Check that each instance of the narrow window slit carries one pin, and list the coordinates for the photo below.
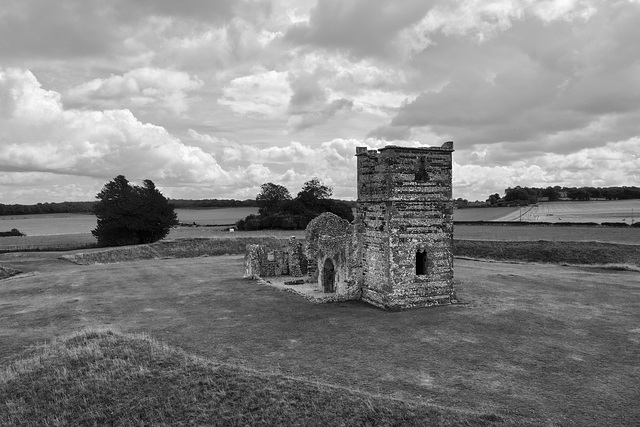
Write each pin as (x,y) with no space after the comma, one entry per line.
(421,262)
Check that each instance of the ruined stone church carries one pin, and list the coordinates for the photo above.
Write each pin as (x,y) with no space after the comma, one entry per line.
(398,252)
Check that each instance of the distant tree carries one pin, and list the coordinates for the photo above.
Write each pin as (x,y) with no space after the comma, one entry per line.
(271,198)
(493,199)
(516,194)
(279,210)
(594,193)
(461,203)
(612,193)
(315,189)
(578,194)
(552,193)
(129,214)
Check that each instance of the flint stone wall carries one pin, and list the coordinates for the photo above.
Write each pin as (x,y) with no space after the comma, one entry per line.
(330,237)
(265,261)
(405,206)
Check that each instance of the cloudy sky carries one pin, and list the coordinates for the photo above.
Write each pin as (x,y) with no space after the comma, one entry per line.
(211,98)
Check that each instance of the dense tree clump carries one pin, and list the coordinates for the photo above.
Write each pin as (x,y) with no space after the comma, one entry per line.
(272,198)
(212,203)
(523,196)
(130,214)
(279,210)
(47,208)
(14,232)
(87,207)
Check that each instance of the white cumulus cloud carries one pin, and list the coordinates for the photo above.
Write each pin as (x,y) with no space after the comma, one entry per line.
(138,88)
(266,93)
(37,133)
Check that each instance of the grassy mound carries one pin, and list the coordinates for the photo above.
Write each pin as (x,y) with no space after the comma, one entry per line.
(544,251)
(179,248)
(102,377)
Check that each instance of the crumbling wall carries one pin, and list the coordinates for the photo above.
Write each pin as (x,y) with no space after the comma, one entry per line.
(330,237)
(266,260)
(262,261)
(297,258)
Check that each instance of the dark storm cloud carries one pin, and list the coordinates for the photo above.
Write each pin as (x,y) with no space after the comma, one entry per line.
(66,29)
(55,29)
(321,115)
(306,92)
(361,27)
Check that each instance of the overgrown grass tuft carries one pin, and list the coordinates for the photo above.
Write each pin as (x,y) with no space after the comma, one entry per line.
(6,272)
(104,377)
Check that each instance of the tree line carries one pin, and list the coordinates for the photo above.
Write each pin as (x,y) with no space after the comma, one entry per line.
(535,194)
(529,195)
(46,208)
(278,210)
(87,207)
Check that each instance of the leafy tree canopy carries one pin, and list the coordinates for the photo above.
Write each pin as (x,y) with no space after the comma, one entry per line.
(271,198)
(315,189)
(129,214)
(533,194)
(279,210)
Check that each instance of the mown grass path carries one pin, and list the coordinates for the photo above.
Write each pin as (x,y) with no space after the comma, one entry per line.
(533,341)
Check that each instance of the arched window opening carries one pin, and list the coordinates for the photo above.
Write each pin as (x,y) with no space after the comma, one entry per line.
(328,276)
(421,262)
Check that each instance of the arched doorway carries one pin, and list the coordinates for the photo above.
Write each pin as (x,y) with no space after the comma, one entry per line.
(328,276)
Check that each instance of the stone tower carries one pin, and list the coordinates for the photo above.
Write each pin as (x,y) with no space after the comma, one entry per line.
(404,226)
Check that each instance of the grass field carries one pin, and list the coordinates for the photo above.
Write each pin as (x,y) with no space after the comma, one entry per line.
(151,383)
(540,343)
(609,255)
(547,233)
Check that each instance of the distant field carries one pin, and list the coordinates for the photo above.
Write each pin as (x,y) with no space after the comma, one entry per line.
(49,224)
(57,224)
(53,242)
(63,231)
(482,214)
(596,211)
(214,216)
(461,232)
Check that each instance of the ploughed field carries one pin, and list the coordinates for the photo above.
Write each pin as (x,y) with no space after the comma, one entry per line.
(597,211)
(529,342)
